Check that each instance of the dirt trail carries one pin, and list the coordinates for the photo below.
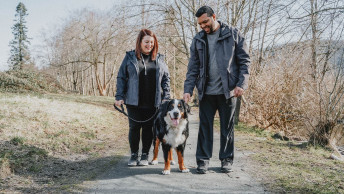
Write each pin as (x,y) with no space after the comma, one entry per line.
(124,179)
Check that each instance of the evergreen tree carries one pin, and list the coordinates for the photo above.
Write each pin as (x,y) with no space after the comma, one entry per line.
(19,45)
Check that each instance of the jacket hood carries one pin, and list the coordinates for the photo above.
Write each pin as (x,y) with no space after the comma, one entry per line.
(132,55)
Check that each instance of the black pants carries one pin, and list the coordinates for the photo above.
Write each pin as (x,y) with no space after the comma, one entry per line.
(207,109)
(140,114)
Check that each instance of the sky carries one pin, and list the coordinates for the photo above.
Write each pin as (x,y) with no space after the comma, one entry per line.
(42,15)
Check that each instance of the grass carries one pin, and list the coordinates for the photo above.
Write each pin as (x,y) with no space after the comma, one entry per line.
(24,81)
(48,137)
(54,142)
(17,140)
(67,123)
(5,169)
(287,166)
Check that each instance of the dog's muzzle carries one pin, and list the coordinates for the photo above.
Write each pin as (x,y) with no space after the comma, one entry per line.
(175,119)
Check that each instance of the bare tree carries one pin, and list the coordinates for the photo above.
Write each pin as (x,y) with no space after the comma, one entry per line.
(295,82)
(88,40)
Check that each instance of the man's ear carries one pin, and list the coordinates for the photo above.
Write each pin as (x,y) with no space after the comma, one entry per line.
(214,17)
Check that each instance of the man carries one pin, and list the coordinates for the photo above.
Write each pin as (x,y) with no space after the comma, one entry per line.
(219,68)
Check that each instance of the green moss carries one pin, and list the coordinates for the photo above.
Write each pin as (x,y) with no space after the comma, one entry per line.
(17,140)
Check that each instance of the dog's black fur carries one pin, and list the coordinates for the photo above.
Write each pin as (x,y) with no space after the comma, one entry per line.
(163,124)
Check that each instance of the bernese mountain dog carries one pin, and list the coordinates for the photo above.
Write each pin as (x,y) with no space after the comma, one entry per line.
(171,129)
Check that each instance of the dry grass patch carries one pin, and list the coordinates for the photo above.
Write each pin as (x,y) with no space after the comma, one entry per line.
(57,141)
(293,167)
(5,169)
(61,127)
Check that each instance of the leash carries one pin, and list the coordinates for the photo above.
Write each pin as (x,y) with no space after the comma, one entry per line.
(126,114)
(229,136)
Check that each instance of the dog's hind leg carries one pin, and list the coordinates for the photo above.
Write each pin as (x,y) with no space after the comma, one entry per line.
(180,153)
(155,152)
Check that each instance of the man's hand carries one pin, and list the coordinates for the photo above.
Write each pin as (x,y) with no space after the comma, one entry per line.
(119,102)
(187,97)
(238,91)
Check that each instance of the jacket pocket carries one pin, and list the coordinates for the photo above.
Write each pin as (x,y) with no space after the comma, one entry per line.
(199,81)
(232,80)
(199,45)
(131,69)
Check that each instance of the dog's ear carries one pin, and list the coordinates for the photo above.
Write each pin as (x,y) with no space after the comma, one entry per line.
(159,128)
(160,125)
(164,107)
(186,107)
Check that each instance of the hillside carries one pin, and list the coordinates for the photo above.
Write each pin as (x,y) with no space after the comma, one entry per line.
(58,142)
(51,142)
(28,81)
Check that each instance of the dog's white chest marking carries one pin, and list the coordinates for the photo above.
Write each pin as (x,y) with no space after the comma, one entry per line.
(174,137)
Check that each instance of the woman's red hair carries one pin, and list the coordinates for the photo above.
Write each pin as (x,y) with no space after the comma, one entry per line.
(138,51)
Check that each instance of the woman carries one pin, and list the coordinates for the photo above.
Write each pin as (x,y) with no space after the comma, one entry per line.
(142,83)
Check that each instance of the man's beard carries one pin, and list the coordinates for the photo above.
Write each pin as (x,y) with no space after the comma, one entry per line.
(212,28)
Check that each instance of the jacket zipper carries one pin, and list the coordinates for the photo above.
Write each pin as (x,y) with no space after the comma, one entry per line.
(157,79)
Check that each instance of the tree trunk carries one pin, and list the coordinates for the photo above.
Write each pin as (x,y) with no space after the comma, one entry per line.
(314,16)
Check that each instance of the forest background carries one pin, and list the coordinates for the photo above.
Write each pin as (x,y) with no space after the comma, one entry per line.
(296,48)
(58,127)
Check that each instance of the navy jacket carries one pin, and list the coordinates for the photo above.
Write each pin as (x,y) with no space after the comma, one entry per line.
(128,80)
(232,58)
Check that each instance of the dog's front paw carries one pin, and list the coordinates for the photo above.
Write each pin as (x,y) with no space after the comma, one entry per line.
(166,172)
(154,162)
(172,162)
(184,170)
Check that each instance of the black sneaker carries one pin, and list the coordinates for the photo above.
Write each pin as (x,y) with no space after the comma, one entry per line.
(226,165)
(202,166)
(144,160)
(133,160)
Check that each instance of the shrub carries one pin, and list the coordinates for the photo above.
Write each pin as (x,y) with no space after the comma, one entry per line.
(284,96)
(28,81)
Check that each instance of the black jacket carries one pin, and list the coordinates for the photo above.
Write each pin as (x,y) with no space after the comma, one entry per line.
(128,80)
(232,58)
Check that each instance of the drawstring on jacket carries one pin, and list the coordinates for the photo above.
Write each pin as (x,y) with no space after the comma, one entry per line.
(144,65)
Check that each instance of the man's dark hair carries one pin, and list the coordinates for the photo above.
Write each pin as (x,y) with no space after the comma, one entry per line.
(204,9)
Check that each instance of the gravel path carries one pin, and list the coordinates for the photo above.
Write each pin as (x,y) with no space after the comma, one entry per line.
(148,179)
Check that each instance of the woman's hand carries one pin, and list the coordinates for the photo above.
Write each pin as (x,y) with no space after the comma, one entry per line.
(119,102)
